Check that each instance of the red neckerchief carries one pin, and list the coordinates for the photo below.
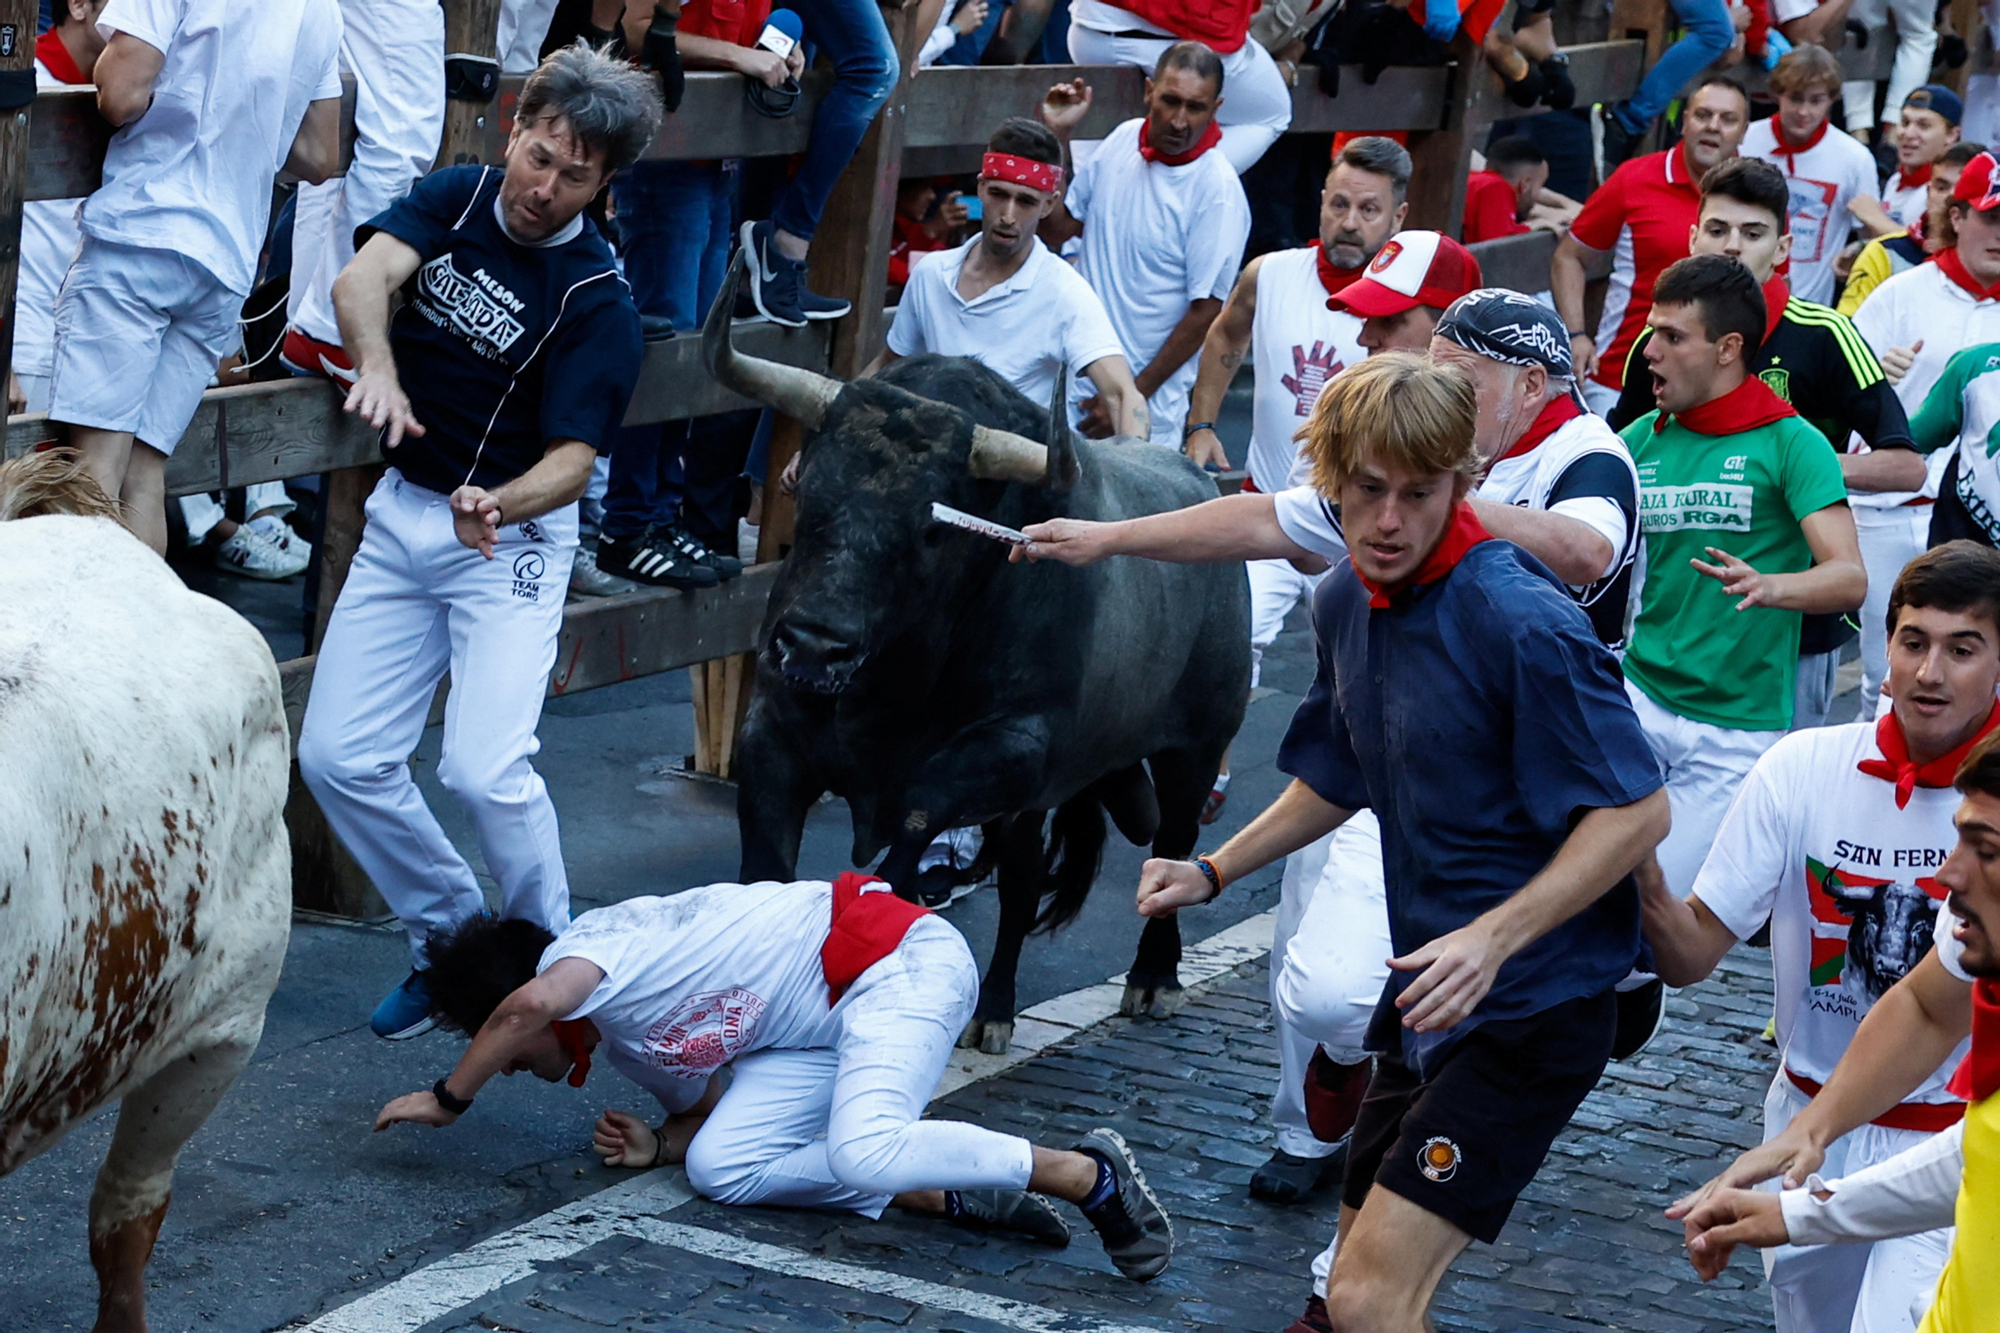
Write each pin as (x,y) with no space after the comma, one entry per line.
(863,928)
(1792,150)
(1332,278)
(1909,178)
(55,57)
(573,1034)
(1551,419)
(1776,293)
(1895,766)
(1979,1076)
(1210,137)
(1461,535)
(1747,406)
(1953,267)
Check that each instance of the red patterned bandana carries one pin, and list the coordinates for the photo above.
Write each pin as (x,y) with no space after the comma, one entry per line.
(1462,534)
(1895,765)
(574,1034)
(1210,137)
(1747,406)
(1021,171)
(1332,278)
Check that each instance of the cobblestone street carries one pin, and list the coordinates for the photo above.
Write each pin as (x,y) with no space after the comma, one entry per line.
(1586,1249)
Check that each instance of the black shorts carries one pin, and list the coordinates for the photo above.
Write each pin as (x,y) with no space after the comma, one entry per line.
(1527,9)
(1465,1142)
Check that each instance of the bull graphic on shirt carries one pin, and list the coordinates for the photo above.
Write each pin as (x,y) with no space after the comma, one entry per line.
(1310,373)
(1882,928)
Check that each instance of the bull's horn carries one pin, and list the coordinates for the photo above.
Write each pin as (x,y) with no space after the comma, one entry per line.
(797,393)
(1062,465)
(1001,455)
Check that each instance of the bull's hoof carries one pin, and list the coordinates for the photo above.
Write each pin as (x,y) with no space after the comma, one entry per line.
(1158,1000)
(1166,1001)
(1135,1001)
(989,1036)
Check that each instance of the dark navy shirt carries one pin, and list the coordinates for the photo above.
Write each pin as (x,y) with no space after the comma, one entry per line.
(503,347)
(1480,718)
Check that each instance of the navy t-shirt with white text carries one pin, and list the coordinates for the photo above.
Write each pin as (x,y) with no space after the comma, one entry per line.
(503,346)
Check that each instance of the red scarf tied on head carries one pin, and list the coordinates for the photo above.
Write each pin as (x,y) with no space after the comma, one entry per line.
(1746,407)
(1462,534)
(574,1035)
(1210,137)
(1896,766)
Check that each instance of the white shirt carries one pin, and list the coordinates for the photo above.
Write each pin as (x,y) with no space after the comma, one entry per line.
(49,238)
(1822,179)
(1156,239)
(1847,880)
(1923,304)
(1297,346)
(694,980)
(1905,205)
(193,174)
(1024,329)
(1097,15)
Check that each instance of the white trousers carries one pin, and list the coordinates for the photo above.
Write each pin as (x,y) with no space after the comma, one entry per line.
(1327,965)
(1256,103)
(1916,47)
(524,25)
(1890,539)
(417,603)
(1852,1288)
(843,1126)
(1704,765)
(202,512)
(1982,109)
(395,50)
(1599,398)
(1275,588)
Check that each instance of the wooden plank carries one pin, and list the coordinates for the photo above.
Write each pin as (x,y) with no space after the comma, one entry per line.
(1601,71)
(471,28)
(1520,263)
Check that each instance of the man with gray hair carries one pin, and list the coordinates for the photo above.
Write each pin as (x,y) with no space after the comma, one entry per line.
(497,381)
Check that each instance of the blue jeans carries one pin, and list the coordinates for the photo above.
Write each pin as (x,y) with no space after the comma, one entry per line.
(674,219)
(972,45)
(852,34)
(1709,33)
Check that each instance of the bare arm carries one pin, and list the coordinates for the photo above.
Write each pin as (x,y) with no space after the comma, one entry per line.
(1456,970)
(1222,353)
(361,296)
(1688,939)
(520,1018)
(1568,272)
(1063,108)
(558,479)
(1883,470)
(315,155)
(1868,211)
(1182,343)
(1827,22)
(1120,396)
(1296,818)
(1902,1040)
(883,360)
(124,76)
(1232,527)
(1576,552)
(1836,582)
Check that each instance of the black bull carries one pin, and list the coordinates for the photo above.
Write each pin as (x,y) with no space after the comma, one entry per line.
(908,667)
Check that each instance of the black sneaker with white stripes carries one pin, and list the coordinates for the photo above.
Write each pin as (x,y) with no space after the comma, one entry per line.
(652,559)
(697,551)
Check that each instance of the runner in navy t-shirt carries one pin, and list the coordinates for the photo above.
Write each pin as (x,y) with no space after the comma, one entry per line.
(508,366)
(1483,721)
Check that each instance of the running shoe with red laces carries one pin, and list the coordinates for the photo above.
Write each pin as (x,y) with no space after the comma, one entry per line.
(304,355)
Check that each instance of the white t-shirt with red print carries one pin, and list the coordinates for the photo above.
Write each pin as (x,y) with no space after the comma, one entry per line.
(1847,880)
(1830,171)
(694,980)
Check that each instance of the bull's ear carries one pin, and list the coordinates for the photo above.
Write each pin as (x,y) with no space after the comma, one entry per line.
(1062,467)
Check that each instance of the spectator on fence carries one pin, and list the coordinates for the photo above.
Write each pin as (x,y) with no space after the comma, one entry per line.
(1532,68)
(1886,256)
(1925,130)
(1916,45)
(1919,318)
(1504,199)
(1005,300)
(495,385)
(211,96)
(1643,216)
(675,223)
(955,23)
(1713,664)
(927,212)
(1616,128)
(395,51)
(1814,359)
(853,37)
(1163,220)
(1258,105)
(1832,178)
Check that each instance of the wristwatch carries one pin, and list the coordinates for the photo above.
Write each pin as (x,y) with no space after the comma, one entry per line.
(455,1105)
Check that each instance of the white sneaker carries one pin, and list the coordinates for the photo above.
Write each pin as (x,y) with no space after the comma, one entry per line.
(251,554)
(587,580)
(280,534)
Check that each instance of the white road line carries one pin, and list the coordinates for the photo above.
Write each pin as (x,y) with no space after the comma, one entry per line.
(931,1295)
(633,1208)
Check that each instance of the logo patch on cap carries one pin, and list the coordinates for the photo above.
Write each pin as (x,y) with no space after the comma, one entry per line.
(1385,256)
(1438,1159)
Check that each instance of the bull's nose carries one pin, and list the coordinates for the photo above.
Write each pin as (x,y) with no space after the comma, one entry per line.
(815,652)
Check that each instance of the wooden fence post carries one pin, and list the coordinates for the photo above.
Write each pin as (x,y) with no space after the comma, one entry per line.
(17,96)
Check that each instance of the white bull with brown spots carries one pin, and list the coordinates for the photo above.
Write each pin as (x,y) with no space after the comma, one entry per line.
(145,893)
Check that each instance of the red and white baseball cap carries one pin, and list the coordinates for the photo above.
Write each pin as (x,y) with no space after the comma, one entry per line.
(1977,184)
(1413,268)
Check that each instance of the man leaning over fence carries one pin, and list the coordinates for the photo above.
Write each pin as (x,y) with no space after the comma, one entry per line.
(496,384)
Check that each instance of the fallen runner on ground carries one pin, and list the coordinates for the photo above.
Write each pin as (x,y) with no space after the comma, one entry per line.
(835,1007)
